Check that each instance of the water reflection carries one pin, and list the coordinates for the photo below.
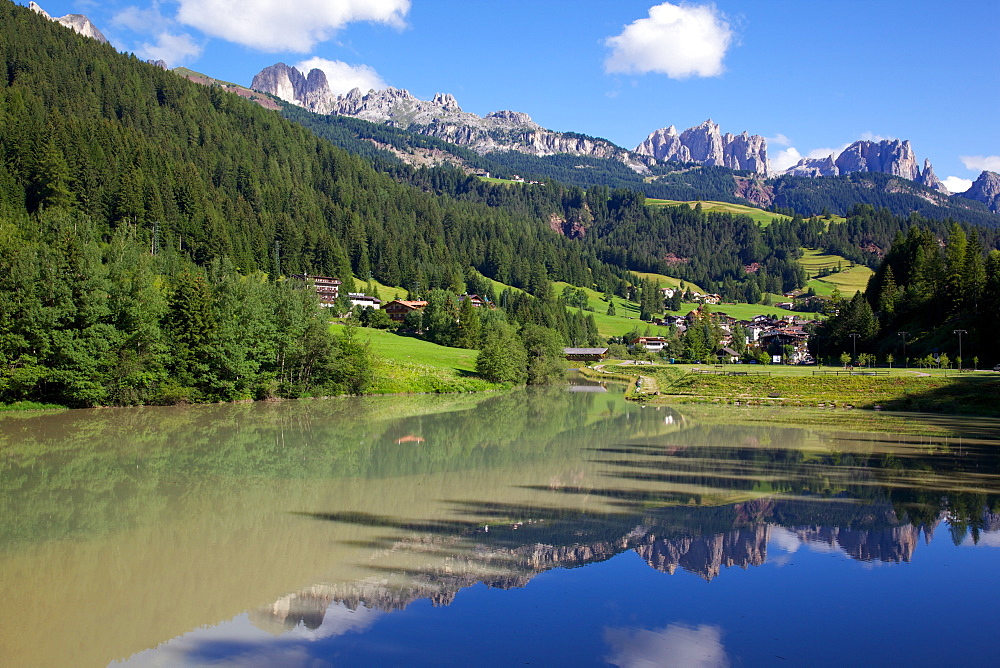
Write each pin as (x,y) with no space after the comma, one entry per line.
(309,521)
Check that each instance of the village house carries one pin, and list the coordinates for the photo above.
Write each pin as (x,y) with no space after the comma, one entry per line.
(653,344)
(727,355)
(398,308)
(476,300)
(364,301)
(327,288)
(776,339)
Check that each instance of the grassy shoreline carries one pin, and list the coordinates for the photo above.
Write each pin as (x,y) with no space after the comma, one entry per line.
(976,393)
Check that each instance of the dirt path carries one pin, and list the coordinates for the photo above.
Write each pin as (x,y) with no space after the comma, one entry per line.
(646,384)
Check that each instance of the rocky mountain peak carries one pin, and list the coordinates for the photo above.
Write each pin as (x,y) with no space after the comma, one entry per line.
(76,22)
(928,178)
(813,167)
(292,86)
(33,6)
(889,156)
(446,101)
(985,189)
(703,143)
(440,117)
(507,116)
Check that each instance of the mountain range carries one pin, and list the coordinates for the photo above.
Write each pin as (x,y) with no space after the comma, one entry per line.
(512,131)
(705,144)
(507,131)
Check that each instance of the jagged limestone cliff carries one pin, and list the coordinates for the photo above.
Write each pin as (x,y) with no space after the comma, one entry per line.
(706,144)
(440,117)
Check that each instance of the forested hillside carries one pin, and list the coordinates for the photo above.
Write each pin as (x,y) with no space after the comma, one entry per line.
(807,196)
(143,217)
(926,299)
(127,143)
(145,222)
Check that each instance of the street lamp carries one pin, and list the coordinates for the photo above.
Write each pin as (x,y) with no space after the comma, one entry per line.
(905,358)
(854,343)
(959,332)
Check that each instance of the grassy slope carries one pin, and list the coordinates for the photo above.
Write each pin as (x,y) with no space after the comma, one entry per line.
(848,281)
(626,316)
(408,364)
(669,281)
(759,216)
(903,389)
(748,311)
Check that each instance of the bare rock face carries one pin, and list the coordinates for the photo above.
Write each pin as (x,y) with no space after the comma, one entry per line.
(33,6)
(706,555)
(705,144)
(439,117)
(507,116)
(77,22)
(890,156)
(928,178)
(813,167)
(985,189)
(312,92)
(664,144)
(745,151)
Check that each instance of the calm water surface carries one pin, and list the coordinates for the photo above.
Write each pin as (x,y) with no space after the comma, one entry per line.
(555,528)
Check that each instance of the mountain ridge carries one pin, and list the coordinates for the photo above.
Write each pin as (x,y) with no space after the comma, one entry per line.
(76,22)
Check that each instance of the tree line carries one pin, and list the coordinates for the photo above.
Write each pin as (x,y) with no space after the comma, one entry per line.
(926,290)
(86,321)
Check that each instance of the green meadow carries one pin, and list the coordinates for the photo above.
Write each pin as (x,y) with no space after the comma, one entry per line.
(759,216)
(849,280)
(409,364)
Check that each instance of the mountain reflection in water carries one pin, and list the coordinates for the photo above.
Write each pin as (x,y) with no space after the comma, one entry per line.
(344,523)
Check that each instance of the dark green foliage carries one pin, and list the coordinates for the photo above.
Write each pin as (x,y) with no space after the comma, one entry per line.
(840,194)
(503,358)
(352,366)
(86,322)
(546,361)
(928,287)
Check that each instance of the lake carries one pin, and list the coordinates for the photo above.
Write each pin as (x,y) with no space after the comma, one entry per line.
(550,527)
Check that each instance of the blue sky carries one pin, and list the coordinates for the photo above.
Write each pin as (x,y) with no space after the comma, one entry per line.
(810,76)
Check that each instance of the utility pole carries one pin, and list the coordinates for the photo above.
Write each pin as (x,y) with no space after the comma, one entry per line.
(277,259)
(906,359)
(959,332)
(854,336)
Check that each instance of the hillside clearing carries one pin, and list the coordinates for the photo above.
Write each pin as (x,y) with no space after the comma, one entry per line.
(849,280)
(759,216)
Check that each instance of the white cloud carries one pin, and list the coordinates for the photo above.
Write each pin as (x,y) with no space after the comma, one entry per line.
(779,140)
(986,539)
(784,539)
(164,40)
(174,49)
(978,163)
(343,77)
(275,25)
(784,159)
(139,20)
(955,184)
(677,40)
(676,645)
